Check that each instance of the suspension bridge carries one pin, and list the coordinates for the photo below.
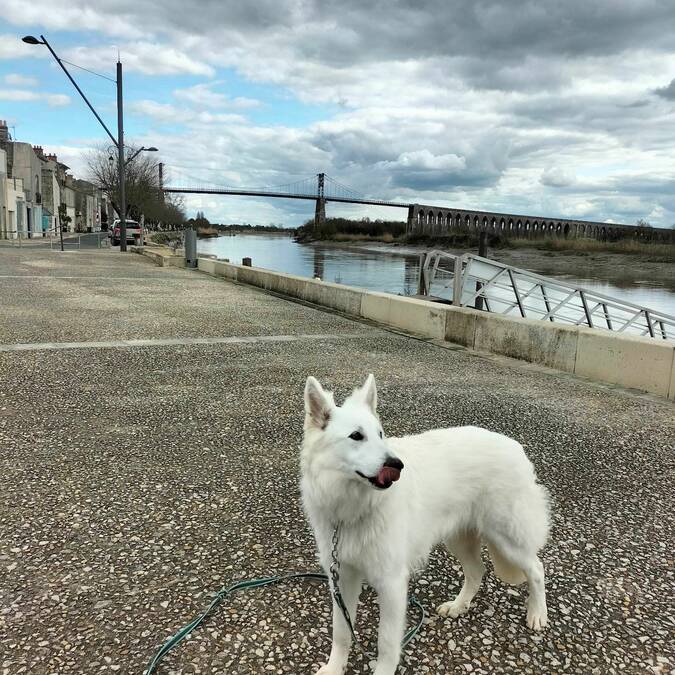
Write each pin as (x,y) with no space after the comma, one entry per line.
(422,218)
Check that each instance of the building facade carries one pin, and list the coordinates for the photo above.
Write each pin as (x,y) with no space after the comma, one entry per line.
(34,185)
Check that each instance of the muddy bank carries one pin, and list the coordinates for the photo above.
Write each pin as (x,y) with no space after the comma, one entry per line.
(620,269)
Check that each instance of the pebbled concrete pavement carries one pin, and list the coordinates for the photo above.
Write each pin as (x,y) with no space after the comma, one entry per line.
(137,480)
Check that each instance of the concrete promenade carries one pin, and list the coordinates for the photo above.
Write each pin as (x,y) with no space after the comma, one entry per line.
(149,428)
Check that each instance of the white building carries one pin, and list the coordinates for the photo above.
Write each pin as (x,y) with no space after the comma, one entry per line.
(27,166)
(13,211)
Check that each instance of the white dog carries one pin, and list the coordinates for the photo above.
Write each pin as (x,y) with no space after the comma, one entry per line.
(461,486)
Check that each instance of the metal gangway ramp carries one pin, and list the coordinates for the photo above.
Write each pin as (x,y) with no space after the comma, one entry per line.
(471,281)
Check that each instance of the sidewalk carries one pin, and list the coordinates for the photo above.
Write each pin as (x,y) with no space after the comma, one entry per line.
(139,479)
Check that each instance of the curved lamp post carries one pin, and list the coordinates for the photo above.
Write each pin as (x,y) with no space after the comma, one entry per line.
(118,142)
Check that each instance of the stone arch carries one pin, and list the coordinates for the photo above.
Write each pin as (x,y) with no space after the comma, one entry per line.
(458,221)
(475,223)
(502,224)
(510,225)
(420,218)
(448,220)
(467,222)
(493,224)
(535,226)
(430,218)
(566,230)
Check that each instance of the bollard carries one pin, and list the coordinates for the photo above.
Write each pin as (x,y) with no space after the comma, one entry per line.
(246,262)
(190,248)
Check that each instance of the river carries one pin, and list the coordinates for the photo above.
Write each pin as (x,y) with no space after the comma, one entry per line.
(381,269)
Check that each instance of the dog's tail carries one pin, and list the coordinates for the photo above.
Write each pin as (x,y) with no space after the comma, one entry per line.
(505,570)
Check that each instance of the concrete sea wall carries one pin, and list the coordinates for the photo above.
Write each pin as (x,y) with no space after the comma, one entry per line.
(645,364)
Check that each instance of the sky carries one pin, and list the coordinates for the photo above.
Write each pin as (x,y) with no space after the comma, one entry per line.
(539,107)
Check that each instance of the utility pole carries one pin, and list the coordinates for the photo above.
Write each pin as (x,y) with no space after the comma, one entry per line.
(120,159)
(161,181)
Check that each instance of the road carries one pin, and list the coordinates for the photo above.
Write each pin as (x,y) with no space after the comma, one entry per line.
(140,477)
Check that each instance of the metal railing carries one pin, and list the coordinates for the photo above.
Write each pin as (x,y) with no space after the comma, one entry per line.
(471,281)
(22,238)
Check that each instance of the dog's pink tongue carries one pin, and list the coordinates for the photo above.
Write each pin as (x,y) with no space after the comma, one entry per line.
(387,476)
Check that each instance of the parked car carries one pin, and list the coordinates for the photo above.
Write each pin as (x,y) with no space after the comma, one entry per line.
(134,231)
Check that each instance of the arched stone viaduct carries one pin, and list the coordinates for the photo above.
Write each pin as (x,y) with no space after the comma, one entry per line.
(434,220)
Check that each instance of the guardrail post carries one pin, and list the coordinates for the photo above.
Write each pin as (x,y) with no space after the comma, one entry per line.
(190,248)
(421,280)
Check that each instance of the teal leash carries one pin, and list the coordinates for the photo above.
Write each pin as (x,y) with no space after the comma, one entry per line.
(249,584)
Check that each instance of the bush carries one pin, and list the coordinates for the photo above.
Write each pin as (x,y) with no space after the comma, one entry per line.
(345,229)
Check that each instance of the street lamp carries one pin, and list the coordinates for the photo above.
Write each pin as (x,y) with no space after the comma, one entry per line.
(139,151)
(119,141)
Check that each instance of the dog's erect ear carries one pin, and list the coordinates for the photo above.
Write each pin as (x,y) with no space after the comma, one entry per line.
(368,393)
(318,403)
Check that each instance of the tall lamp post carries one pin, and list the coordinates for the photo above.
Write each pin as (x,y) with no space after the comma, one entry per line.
(119,141)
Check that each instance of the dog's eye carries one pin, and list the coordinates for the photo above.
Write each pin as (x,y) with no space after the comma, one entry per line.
(356,436)
(381,435)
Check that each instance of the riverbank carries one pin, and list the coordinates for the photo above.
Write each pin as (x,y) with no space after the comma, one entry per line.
(625,270)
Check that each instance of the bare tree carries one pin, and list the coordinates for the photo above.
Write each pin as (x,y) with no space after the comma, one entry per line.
(143,194)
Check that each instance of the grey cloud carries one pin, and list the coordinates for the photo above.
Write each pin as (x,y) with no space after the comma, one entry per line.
(557,177)
(667,92)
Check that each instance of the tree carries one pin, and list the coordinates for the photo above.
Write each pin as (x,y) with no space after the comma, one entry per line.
(201,220)
(64,218)
(643,223)
(141,186)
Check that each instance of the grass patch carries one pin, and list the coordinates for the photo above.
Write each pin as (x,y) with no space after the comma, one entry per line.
(387,237)
(654,251)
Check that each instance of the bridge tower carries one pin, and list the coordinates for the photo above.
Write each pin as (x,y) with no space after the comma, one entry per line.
(320,210)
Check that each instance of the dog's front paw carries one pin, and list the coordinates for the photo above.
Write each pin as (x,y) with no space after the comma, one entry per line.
(453,608)
(537,618)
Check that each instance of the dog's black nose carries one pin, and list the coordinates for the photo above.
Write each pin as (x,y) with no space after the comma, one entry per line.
(394,463)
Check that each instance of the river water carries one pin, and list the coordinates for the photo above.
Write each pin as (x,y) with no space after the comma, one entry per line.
(381,270)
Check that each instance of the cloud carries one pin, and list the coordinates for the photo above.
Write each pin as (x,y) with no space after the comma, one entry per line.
(547,107)
(144,57)
(167,113)
(202,95)
(21,95)
(11,47)
(16,80)
(557,177)
(667,92)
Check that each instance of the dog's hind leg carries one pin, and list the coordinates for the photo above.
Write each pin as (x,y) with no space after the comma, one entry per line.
(350,588)
(522,558)
(466,548)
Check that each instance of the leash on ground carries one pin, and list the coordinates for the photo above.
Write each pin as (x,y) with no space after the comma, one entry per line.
(249,584)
